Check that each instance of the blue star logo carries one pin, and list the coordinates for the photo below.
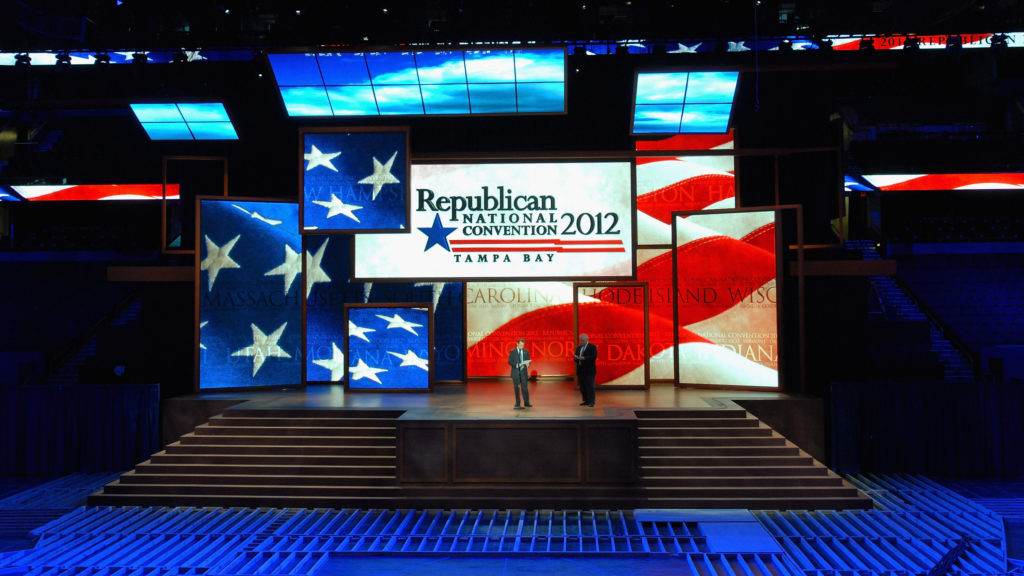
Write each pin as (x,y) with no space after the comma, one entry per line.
(437,234)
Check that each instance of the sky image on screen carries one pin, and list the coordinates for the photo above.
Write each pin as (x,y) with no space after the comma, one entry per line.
(422,83)
(683,102)
(185,121)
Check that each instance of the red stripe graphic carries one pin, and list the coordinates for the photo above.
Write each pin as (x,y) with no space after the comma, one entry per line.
(547,245)
(691,194)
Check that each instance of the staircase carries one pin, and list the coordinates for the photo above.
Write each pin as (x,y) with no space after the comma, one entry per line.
(278,458)
(899,304)
(713,458)
(345,458)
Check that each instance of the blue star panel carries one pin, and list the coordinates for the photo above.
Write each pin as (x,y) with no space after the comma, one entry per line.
(325,319)
(355,181)
(388,348)
(683,102)
(525,81)
(249,290)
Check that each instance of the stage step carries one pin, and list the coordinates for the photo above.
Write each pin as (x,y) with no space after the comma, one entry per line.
(268,459)
(206,429)
(219,439)
(728,458)
(279,449)
(281,480)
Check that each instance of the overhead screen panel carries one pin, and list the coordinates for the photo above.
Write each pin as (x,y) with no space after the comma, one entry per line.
(185,121)
(683,102)
(954,181)
(452,82)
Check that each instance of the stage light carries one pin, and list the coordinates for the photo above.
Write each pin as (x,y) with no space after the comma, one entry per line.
(22,60)
(866,44)
(102,59)
(912,43)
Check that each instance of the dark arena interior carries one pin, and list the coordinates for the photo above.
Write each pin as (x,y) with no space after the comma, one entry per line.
(265,266)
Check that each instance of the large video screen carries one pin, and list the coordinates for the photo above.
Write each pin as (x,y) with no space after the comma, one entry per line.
(328,293)
(726,298)
(417,83)
(83,192)
(542,220)
(354,180)
(389,347)
(249,290)
(950,181)
(683,102)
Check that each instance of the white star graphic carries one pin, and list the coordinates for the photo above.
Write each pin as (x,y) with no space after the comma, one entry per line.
(361,370)
(684,49)
(336,363)
(737,47)
(411,359)
(318,158)
(397,321)
(335,206)
(314,273)
(218,257)
(201,324)
(381,175)
(262,347)
(358,332)
(291,268)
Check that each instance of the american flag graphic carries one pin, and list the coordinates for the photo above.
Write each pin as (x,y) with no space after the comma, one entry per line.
(80,192)
(249,289)
(388,348)
(739,249)
(960,181)
(329,259)
(354,181)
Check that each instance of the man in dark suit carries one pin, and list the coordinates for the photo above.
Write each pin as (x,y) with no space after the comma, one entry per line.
(519,360)
(586,369)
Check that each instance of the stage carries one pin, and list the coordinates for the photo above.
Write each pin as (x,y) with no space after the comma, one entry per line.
(465,446)
(799,418)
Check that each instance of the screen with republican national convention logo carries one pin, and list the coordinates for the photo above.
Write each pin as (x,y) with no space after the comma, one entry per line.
(542,220)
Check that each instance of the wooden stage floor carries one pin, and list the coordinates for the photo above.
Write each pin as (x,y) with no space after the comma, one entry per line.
(490,399)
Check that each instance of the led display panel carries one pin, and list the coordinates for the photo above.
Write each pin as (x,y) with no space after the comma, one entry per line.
(328,291)
(497,221)
(185,121)
(683,102)
(957,181)
(418,83)
(725,275)
(355,180)
(249,284)
(82,192)
(389,347)
(498,314)
(666,185)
